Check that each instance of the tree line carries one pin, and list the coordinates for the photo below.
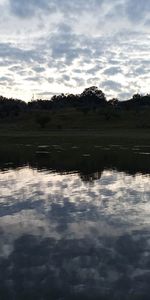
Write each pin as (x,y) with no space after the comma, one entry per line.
(90,99)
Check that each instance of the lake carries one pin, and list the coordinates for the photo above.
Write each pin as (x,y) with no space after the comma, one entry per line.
(74,222)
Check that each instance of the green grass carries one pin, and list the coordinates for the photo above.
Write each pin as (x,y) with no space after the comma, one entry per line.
(76,126)
(64,119)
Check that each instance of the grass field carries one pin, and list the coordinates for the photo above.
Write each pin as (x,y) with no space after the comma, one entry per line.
(77,137)
(74,126)
(70,118)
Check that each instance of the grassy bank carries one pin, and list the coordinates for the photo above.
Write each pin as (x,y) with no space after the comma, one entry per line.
(71,118)
(76,126)
(118,136)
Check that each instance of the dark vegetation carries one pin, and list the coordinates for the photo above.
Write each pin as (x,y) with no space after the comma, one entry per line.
(89,110)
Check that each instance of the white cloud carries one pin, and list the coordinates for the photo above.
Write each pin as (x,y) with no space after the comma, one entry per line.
(90,40)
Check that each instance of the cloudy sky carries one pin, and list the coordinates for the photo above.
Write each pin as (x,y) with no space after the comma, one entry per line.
(53,46)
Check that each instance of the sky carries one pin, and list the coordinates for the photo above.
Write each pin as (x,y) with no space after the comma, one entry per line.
(64,46)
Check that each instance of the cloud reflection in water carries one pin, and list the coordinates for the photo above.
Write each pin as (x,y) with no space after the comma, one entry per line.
(63,238)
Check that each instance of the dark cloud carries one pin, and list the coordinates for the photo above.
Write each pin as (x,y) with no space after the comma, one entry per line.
(6,80)
(137,9)
(39,69)
(46,93)
(113,85)
(79,81)
(50,80)
(68,6)
(16,68)
(66,78)
(94,69)
(125,95)
(35,78)
(66,46)
(147,23)
(77,70)
(112,70)
(9,51)
(93,81)
(25,9)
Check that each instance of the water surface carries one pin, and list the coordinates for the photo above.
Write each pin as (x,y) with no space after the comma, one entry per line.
(75,230)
